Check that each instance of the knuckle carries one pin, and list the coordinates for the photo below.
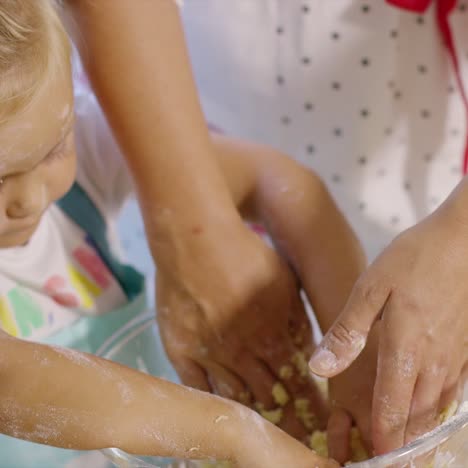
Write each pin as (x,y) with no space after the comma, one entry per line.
(405,301)
(404,359)
(369,292)
(437,368)
(390,420)
(422,423)
(341,334)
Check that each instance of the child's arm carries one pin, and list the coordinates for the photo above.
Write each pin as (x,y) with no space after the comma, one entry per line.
(74,400)
(302,218)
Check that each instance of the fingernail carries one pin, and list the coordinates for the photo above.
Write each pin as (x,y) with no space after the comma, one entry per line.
(323,361)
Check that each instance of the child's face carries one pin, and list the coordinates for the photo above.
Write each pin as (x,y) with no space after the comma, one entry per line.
(37,160)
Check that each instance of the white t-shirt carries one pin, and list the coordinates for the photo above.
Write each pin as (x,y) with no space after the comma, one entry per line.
(49,283)
(362,92)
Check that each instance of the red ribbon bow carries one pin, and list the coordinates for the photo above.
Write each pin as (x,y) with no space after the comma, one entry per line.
(443,10)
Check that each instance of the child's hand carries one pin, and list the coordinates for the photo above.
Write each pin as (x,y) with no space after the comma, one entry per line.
(251,341)
(262,445)
(418,287)
(350,396)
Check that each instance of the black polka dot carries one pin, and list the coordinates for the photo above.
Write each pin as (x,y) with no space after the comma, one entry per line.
(310,149)
(451,89)
(306,60)
(425,113)
(388,131)
(362,160)
(285,120)
(280,79)
(391,84)
(364,113)
(308,106)
(335,36)
(337,132)
(382,172)
(393,33)
(397,94)
(362,206)
(305,8)
(454,132)
(462,7)
(279,30)
(427,157)
(336,178)
(420,20)
(365,8)
(422,69)
(365,62)
(336,85)
(407,185)
(394,220)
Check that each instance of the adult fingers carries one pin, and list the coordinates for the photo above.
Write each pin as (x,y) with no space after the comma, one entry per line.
(226,384)
(424,412)
(339,435)
(347,337)
(191,374)
(397,372)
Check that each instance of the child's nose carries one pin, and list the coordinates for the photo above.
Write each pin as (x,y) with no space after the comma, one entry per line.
(27,202)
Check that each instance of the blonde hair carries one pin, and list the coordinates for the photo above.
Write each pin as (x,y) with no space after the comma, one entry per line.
(33,47)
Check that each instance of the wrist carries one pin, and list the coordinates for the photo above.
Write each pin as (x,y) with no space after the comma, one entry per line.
(173,233)
(251,434)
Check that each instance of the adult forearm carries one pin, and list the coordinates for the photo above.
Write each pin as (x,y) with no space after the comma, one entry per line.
(135,55)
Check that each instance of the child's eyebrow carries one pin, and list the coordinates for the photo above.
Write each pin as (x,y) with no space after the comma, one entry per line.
(68,128)
(64,135)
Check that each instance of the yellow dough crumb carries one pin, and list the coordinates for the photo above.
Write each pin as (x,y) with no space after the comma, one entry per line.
(301,405)
(280,395)
(300,363)
(318,443)
(448,412)
(318,439)
(358,451)
(274,416)
(286,372)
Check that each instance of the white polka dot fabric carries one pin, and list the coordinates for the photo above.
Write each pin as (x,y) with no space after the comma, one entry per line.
(360,91)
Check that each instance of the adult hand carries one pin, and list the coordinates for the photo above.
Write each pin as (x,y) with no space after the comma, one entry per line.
(240,328)
(351,401)
(417,287)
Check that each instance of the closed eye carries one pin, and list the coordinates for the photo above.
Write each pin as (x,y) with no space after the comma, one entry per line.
(58,152)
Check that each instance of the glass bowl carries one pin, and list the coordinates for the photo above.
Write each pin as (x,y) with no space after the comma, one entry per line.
(444,447)
(140,347)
